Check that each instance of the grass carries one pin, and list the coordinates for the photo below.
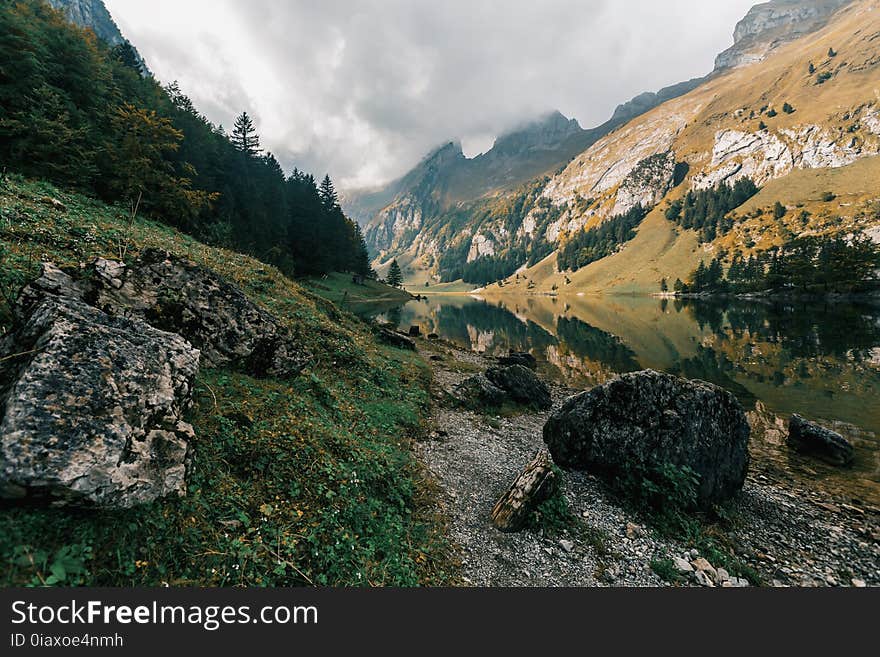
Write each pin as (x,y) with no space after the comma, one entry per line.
(340,289)
(309,481)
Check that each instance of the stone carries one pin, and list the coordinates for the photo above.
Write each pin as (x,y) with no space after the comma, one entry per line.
(568,546)
(702,565)
(478,393)
(858,583)
(811,438)
(178,296)
(723,575)
(644,421)
(523,386)
(394,339)
(703,579)
(92,408)
(682,565)
(634,531)
(433,336)
(415,331)
(519,358)
(54,203)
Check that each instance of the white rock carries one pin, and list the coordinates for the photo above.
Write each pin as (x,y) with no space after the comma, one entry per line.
(858,583)
(682,565)
(703,579)
(568,546)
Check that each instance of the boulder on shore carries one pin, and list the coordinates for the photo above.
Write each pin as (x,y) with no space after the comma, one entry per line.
(478,393)
(519,358)
(812,438)
(91,407)
(523,386)
(645,421)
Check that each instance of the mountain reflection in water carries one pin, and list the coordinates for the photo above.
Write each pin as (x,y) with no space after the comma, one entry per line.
(821,360)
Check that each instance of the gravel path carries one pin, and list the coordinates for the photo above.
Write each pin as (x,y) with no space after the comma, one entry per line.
(792,536)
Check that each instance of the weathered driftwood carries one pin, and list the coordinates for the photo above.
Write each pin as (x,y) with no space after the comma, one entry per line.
(534,485)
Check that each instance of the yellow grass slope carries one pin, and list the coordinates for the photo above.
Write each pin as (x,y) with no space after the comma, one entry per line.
(738,100)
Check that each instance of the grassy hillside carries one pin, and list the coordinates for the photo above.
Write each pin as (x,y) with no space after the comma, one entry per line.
(819,92)
(300,482)
(341,290)
(662,249)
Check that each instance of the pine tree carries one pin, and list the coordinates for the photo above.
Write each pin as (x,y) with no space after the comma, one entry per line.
(328,193)
(126,55)
(395,276)
(778,210)
(812,68)
(244,135)
(663,285)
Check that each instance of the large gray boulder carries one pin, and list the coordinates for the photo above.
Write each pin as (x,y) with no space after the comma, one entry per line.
(91,406)
(644,421)
(479,393)
(179,296)
(812,438)
(522,384)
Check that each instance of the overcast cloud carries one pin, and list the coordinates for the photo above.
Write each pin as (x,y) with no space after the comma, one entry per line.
(362,89)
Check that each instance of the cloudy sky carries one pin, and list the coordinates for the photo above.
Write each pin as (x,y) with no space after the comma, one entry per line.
(362,89)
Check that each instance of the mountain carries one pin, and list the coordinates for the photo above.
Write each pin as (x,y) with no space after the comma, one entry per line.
(94,15)
(446,177)
(771,24)
(802,124)
(805,104)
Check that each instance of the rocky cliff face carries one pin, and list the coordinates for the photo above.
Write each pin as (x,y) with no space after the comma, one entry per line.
(92,14)
(771,24)
(419,194)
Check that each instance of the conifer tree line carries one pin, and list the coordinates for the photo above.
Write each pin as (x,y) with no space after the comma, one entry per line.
(809,263)
(81,114)
(596,243)
(705,210)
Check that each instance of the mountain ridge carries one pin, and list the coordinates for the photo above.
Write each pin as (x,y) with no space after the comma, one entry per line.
(394,214)
(761,120)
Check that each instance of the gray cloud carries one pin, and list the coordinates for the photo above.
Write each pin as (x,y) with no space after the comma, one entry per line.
(362,89)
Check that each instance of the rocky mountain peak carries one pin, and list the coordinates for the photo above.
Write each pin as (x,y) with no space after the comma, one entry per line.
(546,132)
(773,23)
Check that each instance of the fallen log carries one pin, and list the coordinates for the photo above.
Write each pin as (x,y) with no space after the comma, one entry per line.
(536,483)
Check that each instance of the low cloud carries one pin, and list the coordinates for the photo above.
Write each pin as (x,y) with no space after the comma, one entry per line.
(362,89)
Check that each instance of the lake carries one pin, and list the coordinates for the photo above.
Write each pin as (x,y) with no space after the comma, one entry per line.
(821,360)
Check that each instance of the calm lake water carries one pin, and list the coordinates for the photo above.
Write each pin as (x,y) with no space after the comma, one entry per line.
(819,360)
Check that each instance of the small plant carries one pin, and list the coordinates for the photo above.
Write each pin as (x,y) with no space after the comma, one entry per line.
(823,77)
(787,108)
(827,197)
(665,569)
(772,112)
(65,567)
(553,516)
